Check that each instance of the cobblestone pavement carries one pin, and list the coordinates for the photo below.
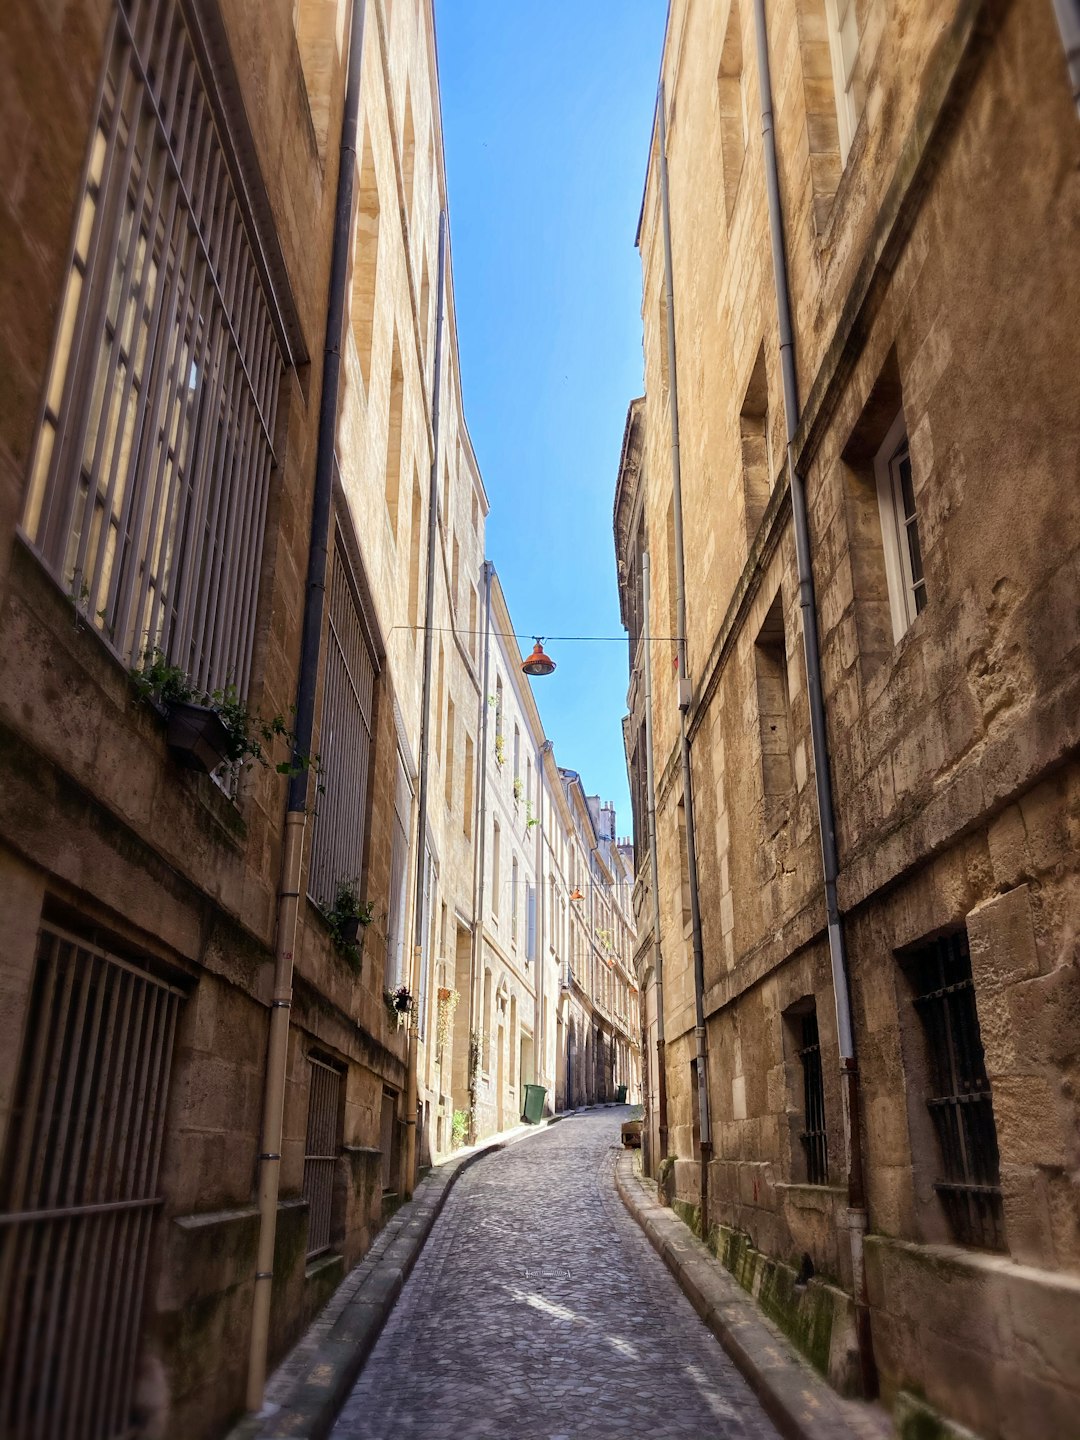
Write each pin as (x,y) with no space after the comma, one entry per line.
(539,1311)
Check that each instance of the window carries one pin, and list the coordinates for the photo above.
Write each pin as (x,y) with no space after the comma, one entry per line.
(392,478)
(495,876)
(337,843)
(774,711)
(85,1141)
(757,457)
(844,51)
(366,263)
(399,859)
(467,806)
(408,156)
(530,921)
(451,742)
(151,472)
(959,1100)
(416,540)
(514,902)
(320,29)
(517,760)
(900,528)
(486,1037)
(813,1137)
(734,109)
(322,1147)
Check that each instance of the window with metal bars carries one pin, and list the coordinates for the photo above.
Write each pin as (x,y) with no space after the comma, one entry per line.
(321,1151)
(151,471)
(345,731)
(814,1138)
(960,1102)
(79,1190)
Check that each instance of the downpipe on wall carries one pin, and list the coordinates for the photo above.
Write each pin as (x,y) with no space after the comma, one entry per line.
(849,1074)
(289,892)
(685,691)
(650,809)
(411,1083)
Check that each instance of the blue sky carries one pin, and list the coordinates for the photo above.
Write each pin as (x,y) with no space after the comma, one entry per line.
(547,107)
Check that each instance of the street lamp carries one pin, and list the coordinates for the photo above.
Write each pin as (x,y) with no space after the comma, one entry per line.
(538,663)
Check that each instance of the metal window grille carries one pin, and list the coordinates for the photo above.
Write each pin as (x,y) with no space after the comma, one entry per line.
(321,1151)
(344,740)
(960,1102)
(814,1139)
(149,485)
(399,857)
(80,1192)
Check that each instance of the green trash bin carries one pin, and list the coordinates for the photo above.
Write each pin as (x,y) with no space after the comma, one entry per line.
(533,1112)
(620,1095)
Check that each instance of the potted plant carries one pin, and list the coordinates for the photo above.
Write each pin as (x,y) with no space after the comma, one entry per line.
(400,1003)
(345,917)
(519,788)
(208,730)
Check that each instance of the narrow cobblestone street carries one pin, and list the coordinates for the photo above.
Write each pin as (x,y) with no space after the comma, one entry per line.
(539,1309)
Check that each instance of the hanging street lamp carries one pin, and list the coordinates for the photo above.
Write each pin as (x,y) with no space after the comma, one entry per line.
(538,663)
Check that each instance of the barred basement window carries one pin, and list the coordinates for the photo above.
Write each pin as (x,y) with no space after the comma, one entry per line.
(337,843)
(149,484)
(814,1139)
(79,1190)
(960,1102)
(321,1151)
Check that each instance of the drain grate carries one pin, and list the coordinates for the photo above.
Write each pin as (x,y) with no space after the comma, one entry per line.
(546,1272)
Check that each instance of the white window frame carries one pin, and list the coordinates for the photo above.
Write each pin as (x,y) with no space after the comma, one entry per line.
(901,585)
(843,26)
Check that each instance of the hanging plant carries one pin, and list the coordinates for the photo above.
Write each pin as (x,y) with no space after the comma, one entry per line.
(346,917)
(400,1003)
(444,1022)
(530,818)
(207,730)
(519,787)
(500,748)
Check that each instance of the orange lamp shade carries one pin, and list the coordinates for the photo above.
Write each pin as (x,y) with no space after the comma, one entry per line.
(538,663)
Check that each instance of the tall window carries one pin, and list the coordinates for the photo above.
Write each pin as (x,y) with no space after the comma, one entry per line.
(322,1146)
(151,471)
(844,51)
(813,1137)
(900,528)
(337,843)
(399,859)
(79,1190)
(774,711)
(365,263)
(514,902)
(734,109)
(496,878)
(959,1098)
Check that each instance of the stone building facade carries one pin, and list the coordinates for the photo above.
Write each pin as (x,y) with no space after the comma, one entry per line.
(927,186)
(195,1057)
(169,202)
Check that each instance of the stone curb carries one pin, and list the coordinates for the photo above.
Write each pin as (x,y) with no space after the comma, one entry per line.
(312,1401)
(801,1404)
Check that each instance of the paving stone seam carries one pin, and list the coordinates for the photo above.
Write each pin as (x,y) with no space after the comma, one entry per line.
(801,1404)
(315,1396)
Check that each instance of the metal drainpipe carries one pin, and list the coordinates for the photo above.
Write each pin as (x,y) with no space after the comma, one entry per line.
(685,693)
(1068,18)
(288,898)
(409,1158)
(479,875)
(857,1215)
(650,796)
(540,929)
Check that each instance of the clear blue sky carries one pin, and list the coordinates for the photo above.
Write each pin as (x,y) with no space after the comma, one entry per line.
(547,109)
